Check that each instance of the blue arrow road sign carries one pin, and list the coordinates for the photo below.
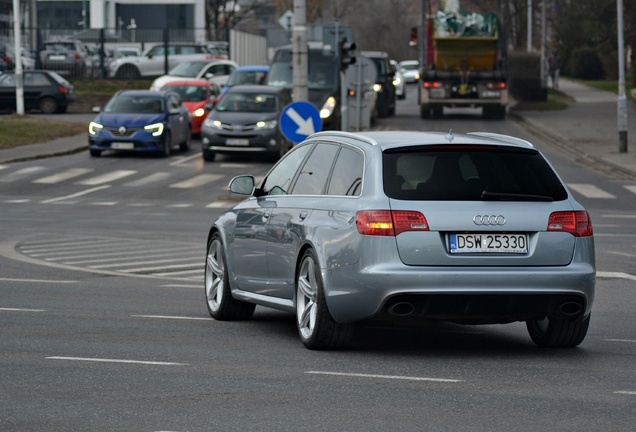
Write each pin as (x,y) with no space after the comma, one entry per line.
(299,120)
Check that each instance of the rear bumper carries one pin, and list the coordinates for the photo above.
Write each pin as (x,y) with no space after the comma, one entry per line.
(459,294)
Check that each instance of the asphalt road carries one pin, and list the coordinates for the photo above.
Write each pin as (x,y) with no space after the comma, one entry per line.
(103,324)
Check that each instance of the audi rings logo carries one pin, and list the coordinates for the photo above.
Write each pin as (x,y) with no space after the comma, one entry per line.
(489,220)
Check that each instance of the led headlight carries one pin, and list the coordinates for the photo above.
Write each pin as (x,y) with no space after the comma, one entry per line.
(200,112)
(215,124)
(156,129)
(94,128)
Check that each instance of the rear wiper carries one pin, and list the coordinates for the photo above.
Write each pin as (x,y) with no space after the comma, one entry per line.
(500,196)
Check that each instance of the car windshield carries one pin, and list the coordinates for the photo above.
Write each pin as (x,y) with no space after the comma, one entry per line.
(471,173)
(190,93)
(409,66)
(245,77)
(323,68)
(131,104)
(248,102)
(189,69)
(59,46)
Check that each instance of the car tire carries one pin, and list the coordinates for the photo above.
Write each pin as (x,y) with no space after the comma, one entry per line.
(316,327)
(558,333)
(167,145)
(185,145)
(209,155)
(48,105)
(127,72)
(95,153)
(221,305)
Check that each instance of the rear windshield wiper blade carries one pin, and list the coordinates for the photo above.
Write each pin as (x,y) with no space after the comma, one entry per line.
(501,196)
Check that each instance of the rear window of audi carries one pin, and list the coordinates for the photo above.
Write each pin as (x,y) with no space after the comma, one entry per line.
(470,173)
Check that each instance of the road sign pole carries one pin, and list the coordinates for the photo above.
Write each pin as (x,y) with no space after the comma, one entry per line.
(299,54)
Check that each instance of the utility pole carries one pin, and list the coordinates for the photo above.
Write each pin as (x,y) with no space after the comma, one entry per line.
(622,99)
(529,19)
(299,51)
(17,44)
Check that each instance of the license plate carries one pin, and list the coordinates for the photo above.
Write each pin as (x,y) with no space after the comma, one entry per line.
(57,57)
(122,145)
(489,243)
(237,142)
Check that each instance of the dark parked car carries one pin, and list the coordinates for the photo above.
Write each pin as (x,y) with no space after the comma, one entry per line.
(141,121)
(43,90)
(384,87)
(407,228)
(245,120)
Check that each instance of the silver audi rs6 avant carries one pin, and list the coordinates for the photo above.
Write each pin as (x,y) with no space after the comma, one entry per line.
(406,227)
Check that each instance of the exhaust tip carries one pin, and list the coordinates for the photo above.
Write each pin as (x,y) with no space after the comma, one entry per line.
(570,308)
(402,309)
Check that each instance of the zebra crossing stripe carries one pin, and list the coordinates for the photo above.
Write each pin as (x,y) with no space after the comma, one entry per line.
(631,188)
(199,180)
(590,191)
(108,177)
(65,175)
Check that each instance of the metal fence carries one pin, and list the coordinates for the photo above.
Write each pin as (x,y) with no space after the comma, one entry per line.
(87,53)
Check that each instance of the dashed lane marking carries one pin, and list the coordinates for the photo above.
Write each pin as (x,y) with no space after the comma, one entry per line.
(394,377)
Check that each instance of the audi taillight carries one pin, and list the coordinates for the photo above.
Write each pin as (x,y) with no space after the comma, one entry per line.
(389,222)
(577,223)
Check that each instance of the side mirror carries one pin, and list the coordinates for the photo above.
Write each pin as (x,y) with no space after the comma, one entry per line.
(242,185)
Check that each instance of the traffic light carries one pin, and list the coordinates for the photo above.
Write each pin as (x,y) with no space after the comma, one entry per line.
(347,53)
(413,40)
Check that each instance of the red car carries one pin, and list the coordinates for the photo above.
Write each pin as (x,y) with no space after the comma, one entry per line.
(198,96)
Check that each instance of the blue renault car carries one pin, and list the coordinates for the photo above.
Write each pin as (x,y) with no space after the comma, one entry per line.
(141,121)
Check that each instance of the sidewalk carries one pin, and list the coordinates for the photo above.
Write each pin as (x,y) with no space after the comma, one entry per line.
(587,130)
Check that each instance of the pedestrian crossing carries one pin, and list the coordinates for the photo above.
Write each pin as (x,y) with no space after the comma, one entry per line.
(133,179)
(93,182)
(121,256)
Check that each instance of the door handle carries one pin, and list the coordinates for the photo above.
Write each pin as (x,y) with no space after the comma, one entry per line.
(303,215)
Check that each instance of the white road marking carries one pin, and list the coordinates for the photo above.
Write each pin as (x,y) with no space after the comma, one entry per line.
(60,177)
(104,203)
(21,173)
(619,216)
(625,392)
(3,167)
(152,178)
(220,204)
(183,205)
(107,178)
(18,201)
(590,191)
(75,195)
(181,160)
(150,269)
(171,317)
(396,377)
(631,188)
(21,310)
(199,180)
(120,264)
(621,340)
(615,275)
(104,360)
(38,281)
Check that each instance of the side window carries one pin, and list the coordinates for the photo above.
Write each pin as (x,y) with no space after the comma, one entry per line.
(38,79)
(313,176)
(7,80)
(155,51)
(346,179)
(280,177)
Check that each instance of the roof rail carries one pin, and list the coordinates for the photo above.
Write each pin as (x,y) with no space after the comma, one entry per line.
(343,134)
(502,137)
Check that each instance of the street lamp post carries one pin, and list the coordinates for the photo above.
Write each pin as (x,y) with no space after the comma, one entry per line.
(622,99)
